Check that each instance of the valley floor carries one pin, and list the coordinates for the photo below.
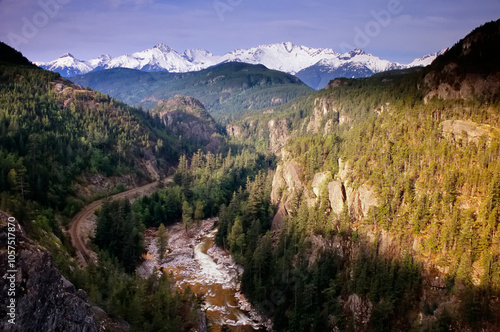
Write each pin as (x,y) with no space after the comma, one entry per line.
(193,261)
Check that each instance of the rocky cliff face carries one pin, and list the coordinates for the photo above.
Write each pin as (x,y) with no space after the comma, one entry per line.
(324,115)
(455,87)
(234,131)
(276,132)
(287,183)
(45,300)
(287,179)
(468,131)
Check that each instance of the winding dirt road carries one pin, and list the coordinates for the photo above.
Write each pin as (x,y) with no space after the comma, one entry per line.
(79,228)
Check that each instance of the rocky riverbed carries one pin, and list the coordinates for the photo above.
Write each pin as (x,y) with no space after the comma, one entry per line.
(194,261)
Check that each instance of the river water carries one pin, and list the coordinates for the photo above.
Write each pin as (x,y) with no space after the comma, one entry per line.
(194,261)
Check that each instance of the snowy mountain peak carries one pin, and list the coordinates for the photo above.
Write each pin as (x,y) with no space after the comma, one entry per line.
(356,51)
(67,66)
(162,47)
(426,59)
(100,62)
(289,46)
(105,57)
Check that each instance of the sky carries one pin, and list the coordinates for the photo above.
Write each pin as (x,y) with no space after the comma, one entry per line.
(396,30)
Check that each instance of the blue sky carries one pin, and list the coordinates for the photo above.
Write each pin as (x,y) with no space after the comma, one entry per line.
(397,30)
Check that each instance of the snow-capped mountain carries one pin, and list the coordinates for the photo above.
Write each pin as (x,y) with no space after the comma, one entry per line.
(161,57)
(354,64)
(426,59)
(67,66)
(100,62)
(285,57)
(318,75)
(293,59)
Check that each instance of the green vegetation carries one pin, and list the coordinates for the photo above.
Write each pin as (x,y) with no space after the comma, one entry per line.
(246,217)
(426,258)
(200,187)
(225,90)
(120,228)
(161,240)
(53,135)
(147,304)
(438,208)
(120,234)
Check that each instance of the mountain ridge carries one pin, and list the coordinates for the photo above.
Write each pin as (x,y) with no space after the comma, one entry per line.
(286,57)
(224,89)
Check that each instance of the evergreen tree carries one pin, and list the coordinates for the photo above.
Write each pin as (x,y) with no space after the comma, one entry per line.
(236,238)
(187,214)
(161,240)
(198,212)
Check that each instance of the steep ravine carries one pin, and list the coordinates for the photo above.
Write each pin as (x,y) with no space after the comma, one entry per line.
(192,260)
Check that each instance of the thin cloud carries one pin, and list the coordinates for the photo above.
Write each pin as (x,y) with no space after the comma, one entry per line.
(88,29)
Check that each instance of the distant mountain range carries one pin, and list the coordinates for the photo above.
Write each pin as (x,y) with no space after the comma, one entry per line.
(314,66)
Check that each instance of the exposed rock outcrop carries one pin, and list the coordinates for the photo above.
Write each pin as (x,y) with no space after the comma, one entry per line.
(278,134)
(361,310)
(462,88)
(287,178)
(360,201)
(287,183)
(324,115)
(337,196)
(234,131)
(45,300)
(286,186)
(468,130)
(344,170)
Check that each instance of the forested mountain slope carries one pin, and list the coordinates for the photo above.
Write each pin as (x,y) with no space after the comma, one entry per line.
(54,134)
(62,146)
(225,89)
(388,197)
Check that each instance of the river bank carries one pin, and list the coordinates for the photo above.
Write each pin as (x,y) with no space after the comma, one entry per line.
(194,261)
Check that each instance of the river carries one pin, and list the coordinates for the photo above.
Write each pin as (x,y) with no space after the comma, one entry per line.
(194,261)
